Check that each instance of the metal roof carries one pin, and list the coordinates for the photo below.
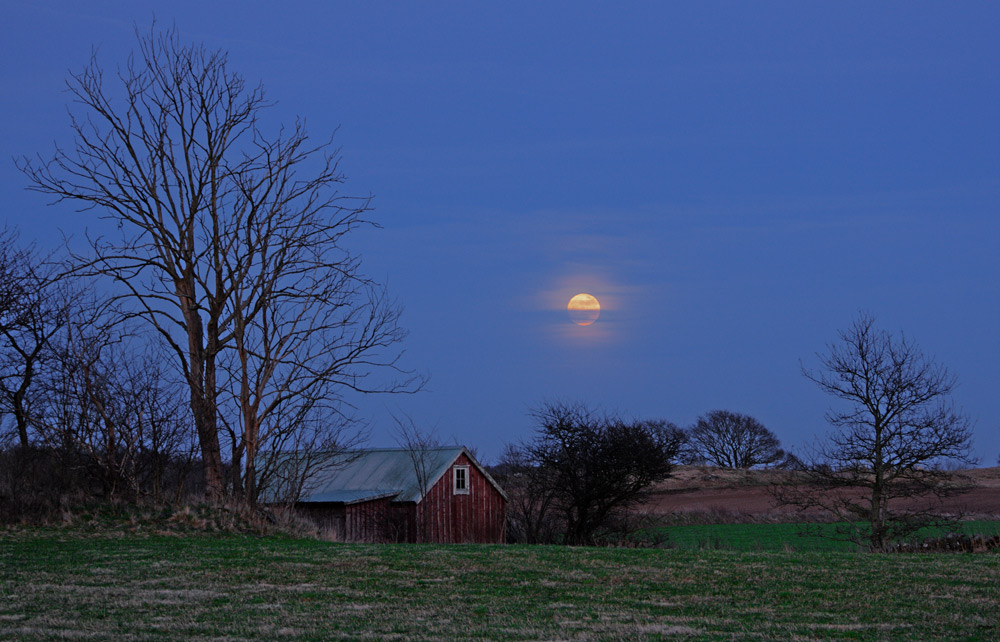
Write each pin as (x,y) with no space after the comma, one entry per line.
(349,496)
(373,474)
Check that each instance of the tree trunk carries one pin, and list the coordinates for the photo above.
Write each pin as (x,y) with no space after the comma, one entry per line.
(206,422)
(250,479)
(20,413)
(877,525)
(201,365)
(208,440)
(21,418)
(878,489)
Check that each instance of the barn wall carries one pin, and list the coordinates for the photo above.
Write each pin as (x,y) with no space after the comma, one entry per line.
(445,517)
(329,518)
(374,521)
(405,520)
(378,520)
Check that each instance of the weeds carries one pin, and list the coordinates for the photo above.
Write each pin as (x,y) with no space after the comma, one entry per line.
(121,519)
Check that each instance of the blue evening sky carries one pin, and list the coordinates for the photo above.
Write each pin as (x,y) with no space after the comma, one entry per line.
(733,181)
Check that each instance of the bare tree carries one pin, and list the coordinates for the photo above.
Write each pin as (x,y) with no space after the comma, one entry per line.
(597,465)
(34,308)
(307,326)
(734,440)
(77,399)
(157,443)
(531,514)
(288,469)
(881,470)
(103,402)
(11,260)
(417,442)
(224,236)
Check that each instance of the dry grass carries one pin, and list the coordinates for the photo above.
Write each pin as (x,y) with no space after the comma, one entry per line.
(701,477)
(984,477)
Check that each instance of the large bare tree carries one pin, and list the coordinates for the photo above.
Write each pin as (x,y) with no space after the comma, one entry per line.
(882,470)
(225,235)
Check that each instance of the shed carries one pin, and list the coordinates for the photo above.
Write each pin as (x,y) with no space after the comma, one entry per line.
(438,495)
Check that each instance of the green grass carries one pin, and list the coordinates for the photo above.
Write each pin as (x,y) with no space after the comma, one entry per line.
(775,537)
(69,584)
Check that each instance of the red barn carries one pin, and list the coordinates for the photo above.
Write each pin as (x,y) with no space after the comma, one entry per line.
(437,495)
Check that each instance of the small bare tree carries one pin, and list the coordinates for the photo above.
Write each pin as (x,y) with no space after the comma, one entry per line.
(734,440)
(104,403)
(34,308)
(417,442)
(881,470)
(531,510)
(287,470)
(160,445)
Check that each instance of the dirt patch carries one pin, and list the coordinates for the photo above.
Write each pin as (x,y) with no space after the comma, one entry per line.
(753,500)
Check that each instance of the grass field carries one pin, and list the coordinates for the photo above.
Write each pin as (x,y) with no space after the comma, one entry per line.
(74,585)
(776,537)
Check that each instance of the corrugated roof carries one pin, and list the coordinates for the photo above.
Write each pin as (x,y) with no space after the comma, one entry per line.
(372,474)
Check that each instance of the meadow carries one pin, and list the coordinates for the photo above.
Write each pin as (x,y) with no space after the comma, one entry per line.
(90,585)
(788,537)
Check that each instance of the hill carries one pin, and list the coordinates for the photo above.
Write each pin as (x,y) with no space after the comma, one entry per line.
(722,494)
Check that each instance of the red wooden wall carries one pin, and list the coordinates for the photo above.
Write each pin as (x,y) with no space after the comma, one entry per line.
(444,517)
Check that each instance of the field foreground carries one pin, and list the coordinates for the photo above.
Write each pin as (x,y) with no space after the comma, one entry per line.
(59,585)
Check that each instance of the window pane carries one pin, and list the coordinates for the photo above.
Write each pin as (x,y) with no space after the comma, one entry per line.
(461,479)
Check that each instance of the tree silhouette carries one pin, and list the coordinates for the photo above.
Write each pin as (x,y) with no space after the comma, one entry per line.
(231,245)
(595,465)
(734,440)
(892,432)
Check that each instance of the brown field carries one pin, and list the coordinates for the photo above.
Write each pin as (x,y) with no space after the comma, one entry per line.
(744,495)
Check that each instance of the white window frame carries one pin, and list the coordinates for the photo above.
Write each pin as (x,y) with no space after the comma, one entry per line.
(454,480)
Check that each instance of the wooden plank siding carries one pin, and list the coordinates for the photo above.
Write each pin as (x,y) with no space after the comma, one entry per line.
(369,521)
(446,517)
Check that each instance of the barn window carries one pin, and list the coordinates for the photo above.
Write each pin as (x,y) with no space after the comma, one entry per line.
(461,480)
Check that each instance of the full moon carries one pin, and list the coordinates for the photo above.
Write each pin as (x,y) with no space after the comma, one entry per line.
(583,309)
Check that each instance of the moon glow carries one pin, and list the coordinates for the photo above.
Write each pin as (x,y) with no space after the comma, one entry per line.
(583,309)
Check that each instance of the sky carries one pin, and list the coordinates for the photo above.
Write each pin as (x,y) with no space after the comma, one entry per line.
(733,181)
